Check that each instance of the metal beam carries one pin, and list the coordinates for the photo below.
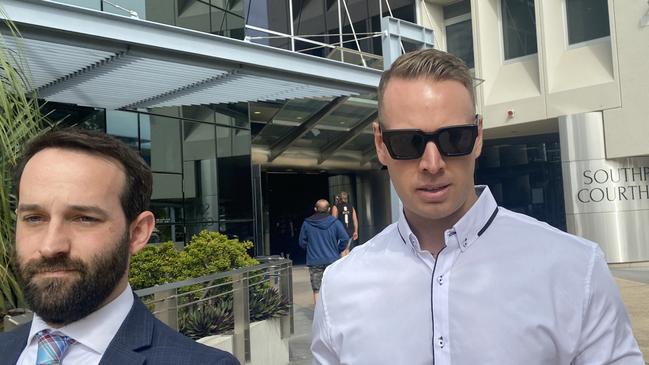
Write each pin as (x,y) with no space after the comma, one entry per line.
(395,31)
(269,123)
(285,142)
(333,146)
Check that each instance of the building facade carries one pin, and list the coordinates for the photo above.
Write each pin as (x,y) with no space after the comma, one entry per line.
(564,88)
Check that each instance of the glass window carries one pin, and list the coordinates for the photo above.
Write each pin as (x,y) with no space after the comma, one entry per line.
(524,174)
(309,19)
(161,11)
(70,115)
(160,143)
(123,126)
(457,9)
(227,18)
(235,180)
(167,186)
(519,28)
(199,173)
(271,15)
(193,14)
(459,35)
(243,230)
(587,19)
(459,41)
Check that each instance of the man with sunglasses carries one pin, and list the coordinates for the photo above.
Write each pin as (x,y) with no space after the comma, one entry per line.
(459,280)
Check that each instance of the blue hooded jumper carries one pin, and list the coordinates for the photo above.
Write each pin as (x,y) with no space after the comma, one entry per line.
(323,237)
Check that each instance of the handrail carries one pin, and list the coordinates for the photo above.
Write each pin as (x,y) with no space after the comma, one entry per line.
(210,277)
(167,300)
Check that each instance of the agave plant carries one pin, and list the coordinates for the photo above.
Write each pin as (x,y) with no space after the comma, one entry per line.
(267,302)
(20,120)
(208,319)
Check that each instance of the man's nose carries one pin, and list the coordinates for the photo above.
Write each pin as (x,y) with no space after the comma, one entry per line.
(431,160)
(56,240)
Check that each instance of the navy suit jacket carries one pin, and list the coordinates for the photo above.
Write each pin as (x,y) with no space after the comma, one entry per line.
(142,339)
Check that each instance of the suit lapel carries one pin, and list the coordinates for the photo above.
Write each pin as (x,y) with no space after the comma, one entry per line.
(134,335)
(13,343)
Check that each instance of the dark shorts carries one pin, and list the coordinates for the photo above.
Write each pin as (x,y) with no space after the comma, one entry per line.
(315,272)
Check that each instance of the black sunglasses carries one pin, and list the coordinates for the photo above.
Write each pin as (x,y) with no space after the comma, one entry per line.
(409,144)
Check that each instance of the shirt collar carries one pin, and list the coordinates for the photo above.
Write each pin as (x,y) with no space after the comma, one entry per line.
(97,329)
(478,219)
(471,226)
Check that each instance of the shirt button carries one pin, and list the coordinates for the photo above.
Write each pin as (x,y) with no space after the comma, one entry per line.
(465,242)
(440,279)
(440,342)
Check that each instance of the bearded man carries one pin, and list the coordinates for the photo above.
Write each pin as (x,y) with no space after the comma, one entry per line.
(82,212)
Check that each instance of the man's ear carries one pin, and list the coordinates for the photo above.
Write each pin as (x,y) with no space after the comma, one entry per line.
(477,149)
(381,153)
(140,231)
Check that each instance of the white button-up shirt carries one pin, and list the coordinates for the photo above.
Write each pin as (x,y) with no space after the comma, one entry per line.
(92,334)
(506,289)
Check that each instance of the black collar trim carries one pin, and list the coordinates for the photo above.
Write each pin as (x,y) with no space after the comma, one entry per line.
(491,219)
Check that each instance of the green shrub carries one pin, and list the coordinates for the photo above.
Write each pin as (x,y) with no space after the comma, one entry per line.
(207,253)
(210,252)
(154,265)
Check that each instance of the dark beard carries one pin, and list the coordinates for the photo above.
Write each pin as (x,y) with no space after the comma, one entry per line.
(61,301)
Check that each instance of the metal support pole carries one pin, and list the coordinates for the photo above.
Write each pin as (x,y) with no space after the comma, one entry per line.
(241,338)
(166,307)
(290,19)
(351,25)
(286,290)
(340,34)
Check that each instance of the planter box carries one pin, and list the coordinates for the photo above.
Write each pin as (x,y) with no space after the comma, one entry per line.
(267,347)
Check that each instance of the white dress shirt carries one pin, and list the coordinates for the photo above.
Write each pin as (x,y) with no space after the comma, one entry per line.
(92,333)
(506,289)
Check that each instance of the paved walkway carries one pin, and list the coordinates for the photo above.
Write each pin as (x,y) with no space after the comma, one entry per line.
(633,281)
(299,353)
(634,286)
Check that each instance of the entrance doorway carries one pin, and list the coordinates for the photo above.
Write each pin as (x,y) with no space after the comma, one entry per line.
(291,197)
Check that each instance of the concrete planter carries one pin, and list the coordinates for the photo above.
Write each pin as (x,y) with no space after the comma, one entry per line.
(267,347)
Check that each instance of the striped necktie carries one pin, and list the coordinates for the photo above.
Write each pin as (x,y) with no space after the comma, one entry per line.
(51,347)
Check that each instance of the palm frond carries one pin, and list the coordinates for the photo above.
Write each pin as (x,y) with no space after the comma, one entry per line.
(20,120)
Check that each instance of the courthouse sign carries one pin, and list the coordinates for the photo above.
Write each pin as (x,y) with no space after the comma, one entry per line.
(606,185)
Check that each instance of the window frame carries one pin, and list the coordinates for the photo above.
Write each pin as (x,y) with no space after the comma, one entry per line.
(526,57)
(590,42)
(456,20)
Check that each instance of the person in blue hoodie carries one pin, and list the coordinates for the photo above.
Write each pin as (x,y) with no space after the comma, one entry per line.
(324,238)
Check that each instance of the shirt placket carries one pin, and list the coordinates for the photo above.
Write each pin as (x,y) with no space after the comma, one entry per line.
(440,285)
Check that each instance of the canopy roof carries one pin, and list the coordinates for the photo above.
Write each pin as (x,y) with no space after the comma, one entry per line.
(87,57)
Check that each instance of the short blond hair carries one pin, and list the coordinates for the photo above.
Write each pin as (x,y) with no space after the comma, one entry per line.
(432,64)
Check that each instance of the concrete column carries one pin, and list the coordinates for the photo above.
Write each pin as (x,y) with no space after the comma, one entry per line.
(607,200)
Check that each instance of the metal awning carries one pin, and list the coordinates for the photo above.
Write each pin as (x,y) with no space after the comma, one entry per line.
(87,57)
